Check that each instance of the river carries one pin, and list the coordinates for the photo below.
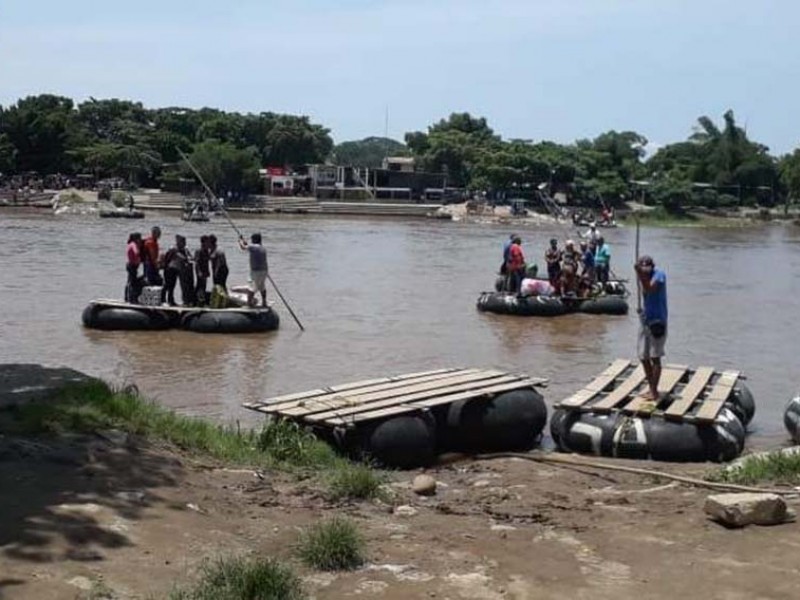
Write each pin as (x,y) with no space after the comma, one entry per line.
(381,297)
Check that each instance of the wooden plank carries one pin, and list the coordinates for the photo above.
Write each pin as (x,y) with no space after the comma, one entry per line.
(711,406)
(690,393)
(621,392)
(670,377)
(345,387)
(410,398)
(336,392)
(361,402)
(430,403)
(596,386)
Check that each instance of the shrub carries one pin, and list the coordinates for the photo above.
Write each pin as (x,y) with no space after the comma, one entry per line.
(244,579)
(333,545)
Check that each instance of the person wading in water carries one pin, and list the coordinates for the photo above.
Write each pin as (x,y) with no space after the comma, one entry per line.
(653,326)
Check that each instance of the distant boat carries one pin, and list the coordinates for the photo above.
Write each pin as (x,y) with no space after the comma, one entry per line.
(195,215)
(121,214)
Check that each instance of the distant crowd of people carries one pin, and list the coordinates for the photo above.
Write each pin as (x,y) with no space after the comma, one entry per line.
(571,270)
(192,270)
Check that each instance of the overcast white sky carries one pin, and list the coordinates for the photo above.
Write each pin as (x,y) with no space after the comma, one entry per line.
(539,69)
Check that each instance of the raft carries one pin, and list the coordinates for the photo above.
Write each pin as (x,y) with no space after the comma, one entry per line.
(195,217)
(112,315)
(404,421)
(702,416)
(121,214)
(505,303)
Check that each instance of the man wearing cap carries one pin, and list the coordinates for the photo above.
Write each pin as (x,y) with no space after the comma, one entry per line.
(653,328)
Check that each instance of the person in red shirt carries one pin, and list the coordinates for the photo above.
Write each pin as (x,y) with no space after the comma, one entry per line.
(516,264)
(133,255)
(150,258)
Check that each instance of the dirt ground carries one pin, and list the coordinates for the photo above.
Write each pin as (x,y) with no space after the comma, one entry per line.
(112,517)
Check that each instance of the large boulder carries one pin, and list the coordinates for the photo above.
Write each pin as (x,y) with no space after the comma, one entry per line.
(742,509)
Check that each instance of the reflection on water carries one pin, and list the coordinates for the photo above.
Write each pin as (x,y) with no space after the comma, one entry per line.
(383,296)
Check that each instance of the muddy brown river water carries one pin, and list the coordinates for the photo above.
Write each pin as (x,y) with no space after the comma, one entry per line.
(382,297)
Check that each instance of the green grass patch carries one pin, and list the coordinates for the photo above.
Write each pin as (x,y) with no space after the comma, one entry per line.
(355,481)
(332,545)
(773,467)
(244,579)
(288,442)
(92,407)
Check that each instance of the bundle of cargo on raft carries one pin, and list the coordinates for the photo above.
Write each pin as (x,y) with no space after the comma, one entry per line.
(702,415)
(114,315)
(406,420)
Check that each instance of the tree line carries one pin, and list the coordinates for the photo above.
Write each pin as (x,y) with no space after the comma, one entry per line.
(717,165)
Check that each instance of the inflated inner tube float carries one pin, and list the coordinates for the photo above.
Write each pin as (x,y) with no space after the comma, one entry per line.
(504,303)
(791,419)
(401,442)
(622,436)
(121,316)
(510,421)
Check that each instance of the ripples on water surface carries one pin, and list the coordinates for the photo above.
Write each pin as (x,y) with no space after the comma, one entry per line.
(383,297)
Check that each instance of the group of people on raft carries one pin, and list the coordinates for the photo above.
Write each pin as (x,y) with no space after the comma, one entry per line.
(191,269)
(571,271)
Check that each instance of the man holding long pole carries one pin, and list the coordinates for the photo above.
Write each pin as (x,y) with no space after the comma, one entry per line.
(653,317)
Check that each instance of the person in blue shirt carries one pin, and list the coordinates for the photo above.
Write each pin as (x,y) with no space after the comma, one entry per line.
(602,260)
(653,328)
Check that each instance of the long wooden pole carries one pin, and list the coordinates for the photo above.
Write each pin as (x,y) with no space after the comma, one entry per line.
(225,213)
(638,281)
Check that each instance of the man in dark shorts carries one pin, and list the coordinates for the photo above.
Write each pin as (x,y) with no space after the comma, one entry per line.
(553,259)
(653,321)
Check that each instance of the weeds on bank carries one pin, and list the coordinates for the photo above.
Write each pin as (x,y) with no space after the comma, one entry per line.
(355,481)
(288,442)
(332,545)
(244,579)
(93,407)
(775,467)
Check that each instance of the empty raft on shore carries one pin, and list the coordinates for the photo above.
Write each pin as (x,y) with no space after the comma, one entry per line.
(112,315)
(702,416)
(405,421)
(505,303)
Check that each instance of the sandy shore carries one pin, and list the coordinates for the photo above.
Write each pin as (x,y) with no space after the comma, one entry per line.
(81,515)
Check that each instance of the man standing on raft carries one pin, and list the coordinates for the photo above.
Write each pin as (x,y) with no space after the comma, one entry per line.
(653,328)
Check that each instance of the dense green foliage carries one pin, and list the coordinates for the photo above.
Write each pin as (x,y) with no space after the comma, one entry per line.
(728,167)
(773,467)
(368,152)
(119,138)
(717,165)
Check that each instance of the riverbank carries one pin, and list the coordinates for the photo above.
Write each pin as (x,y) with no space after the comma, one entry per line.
(99,501)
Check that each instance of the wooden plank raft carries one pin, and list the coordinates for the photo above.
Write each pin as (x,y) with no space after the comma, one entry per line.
(351,404)
(686,394)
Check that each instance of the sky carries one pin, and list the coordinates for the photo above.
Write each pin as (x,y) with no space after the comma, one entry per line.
(558,70)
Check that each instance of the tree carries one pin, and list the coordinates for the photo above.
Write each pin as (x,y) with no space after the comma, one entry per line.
(42,129)
(368,152)
(226,167)
(8,154)
(790,176)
